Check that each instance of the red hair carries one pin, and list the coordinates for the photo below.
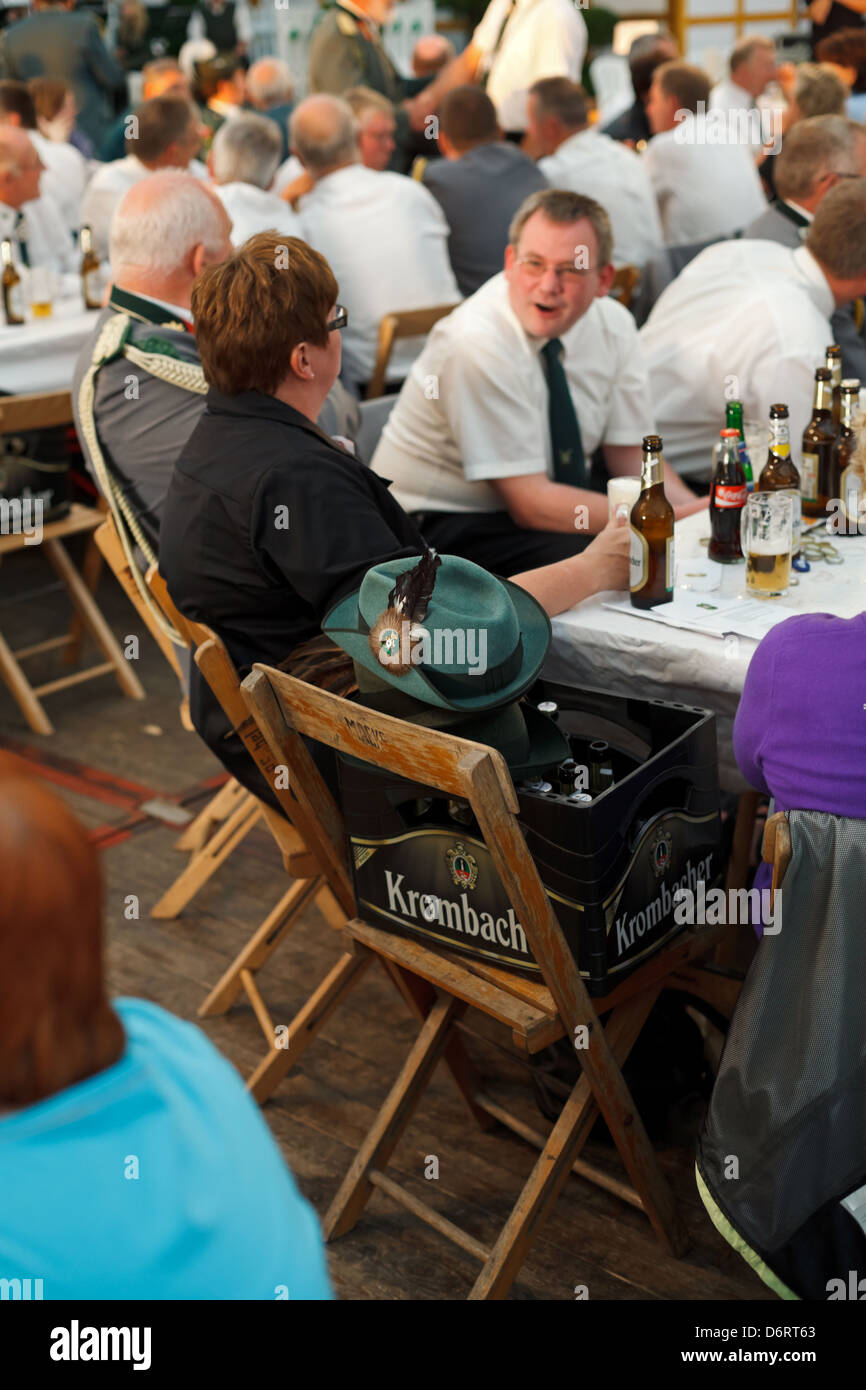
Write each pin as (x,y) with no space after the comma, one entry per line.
(56,1024)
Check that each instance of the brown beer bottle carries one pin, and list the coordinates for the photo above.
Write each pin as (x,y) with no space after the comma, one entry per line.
(651,560)
(779,473)
(833,364)
(13,303)
(728,495)
(844,484)
(89,270)
(819,437)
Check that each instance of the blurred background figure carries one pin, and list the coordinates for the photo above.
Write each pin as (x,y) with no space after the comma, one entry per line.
(56,42)
(647,53)
(220,89)
(162,77)
(271,92)
(64,168)
(845,53)
(752,67)
(132,48)
(432,52)
(242,163)
(56,113)
(226,26)
(207,1208)
(376,126)
(31,222)
(829,16)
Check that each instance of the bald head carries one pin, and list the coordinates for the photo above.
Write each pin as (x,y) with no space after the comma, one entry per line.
(20,167)
(430,55)
(323,133)
(164,231)
(269,83)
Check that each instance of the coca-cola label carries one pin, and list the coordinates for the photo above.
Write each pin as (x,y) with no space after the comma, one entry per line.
(731,494)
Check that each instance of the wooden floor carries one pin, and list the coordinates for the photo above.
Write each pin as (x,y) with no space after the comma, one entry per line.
(108,756)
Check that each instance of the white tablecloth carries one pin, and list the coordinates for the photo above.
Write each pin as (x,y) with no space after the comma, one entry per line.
(623,654)
(40,355)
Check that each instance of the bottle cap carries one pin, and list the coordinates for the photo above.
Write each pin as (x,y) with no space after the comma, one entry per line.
(580,797)
(850,383)
(652,443)
(548,707)
(778,412)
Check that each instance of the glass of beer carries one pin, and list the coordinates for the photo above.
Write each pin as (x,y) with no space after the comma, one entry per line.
(40,288)
(765,531)
(622,493)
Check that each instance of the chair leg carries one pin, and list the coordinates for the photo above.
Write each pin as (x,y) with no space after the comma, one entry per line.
(205,863)
(22,691)
(91,568)
(221,805)
(307,1023)
(260,946)
(393,1117)
(84,604)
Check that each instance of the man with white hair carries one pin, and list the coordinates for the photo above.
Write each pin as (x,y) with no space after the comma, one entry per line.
(752,68)
(271,92)
(30,222)
(242,163)
(164,133)
(166,229)
(385,236)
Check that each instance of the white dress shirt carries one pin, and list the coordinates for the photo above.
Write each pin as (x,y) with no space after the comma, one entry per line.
(728,95)
(254,210)
(289,170)
(64,177)
(108,186)
(475,405)
(704,190)
(542,38)
(748,320)
(42,228)
(386,239)
(590,162)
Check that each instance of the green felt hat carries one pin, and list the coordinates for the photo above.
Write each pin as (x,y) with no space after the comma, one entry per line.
(480,642)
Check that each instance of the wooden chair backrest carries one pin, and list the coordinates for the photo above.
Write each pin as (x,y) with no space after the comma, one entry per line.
(410,323)
(625,282)
(285,708)
(111,549)
(38,411)
(776,849)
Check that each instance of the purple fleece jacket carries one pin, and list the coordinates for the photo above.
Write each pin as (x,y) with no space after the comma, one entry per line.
(800,731)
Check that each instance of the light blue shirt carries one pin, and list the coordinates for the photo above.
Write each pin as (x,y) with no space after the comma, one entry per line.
(155,1179)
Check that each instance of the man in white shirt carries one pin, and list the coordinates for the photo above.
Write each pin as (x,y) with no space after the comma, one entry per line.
(704,189)
(491,441)
(751,320)
(752,69)
(580,157)
(31,222)
(517,43)
(65,170)
(384,236)
(242,162)
(164,133)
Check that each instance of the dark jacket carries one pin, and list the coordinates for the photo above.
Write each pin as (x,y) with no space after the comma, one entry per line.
(266,524)
(631,124)
(57,43)
(479,194)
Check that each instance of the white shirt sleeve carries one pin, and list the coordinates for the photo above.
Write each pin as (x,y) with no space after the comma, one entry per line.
(487,32)
(493,421)
(560,47)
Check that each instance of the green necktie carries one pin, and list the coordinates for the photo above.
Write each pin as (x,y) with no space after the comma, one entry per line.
(20,228)
(569,464)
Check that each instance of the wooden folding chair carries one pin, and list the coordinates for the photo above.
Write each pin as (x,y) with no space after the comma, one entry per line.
(625,282)
(537,1014)
(776,849)
(409,324)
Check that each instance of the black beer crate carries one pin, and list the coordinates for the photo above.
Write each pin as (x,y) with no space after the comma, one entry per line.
(610,866)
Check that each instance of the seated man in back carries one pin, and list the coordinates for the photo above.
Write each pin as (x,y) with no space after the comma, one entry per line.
(268,521)
(242,161)
(704,189)
(578,156)
(479,184)
(166,229)
(384,235)
(271,92)
(491,441)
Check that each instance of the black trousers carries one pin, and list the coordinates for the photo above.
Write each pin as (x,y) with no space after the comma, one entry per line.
(496,543)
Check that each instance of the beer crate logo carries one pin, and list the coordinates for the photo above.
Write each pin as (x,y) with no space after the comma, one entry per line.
(463,866)
(660,851)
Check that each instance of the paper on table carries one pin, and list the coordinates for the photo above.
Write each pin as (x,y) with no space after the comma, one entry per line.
(714,614)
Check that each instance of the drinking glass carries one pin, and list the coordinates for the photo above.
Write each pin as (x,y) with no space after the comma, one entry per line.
(622,493)
(765,531)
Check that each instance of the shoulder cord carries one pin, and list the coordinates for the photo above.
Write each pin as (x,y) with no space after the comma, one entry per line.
(113,342)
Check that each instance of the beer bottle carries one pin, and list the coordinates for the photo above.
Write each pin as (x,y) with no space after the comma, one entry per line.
(89,270)
(651,559)
(734,421)
(845,484)
(779,473)
(833,364)
(565,776)
(818,439)
(728,495)
(13,302)
(600,768)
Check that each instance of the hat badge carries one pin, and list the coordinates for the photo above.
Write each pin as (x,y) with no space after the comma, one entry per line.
(391,634)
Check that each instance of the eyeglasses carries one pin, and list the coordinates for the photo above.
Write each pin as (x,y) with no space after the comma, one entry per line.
(534,267)
(340,319)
